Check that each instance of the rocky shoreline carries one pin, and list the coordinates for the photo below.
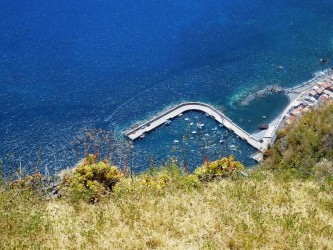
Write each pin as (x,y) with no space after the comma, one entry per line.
(260,93)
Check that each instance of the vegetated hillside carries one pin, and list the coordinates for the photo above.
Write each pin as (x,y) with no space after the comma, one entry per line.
(217,207)
(261,211)
(305,144)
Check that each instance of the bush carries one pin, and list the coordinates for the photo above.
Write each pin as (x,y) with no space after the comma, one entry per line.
(30,183)
(305,143)
(190,181)
(222,168)
(89,182)
(323,170)
(157,181)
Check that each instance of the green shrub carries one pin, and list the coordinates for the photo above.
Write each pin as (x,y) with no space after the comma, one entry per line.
(323,170)
(143,184)
(89,182)
(30,183)
(304,144)
(222,168)
(157,181)
(190,181)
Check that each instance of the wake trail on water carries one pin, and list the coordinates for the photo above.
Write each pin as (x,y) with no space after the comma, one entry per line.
(119,108)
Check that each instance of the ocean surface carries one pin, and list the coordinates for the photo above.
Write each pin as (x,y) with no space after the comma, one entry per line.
(69,65)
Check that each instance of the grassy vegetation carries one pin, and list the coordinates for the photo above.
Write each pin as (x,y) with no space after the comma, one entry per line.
(24,222)
(303,145)
(260,211)
(285,204)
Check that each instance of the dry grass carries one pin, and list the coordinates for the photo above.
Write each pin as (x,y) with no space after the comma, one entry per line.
(23,221)
(260,212)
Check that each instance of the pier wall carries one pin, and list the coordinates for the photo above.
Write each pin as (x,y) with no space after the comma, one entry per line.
(194,106)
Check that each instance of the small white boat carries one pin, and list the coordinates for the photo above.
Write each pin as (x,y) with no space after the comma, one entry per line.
(214,129)
(194,132)
(142,136)
(206,114)
(180,115)
(200,125)
(196,117)
(206,134)
(168,122)
(175,141)
(187,119)
(221,141)
(191,123)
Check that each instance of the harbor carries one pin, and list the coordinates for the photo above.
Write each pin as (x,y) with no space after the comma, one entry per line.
(165,118)
(301,98)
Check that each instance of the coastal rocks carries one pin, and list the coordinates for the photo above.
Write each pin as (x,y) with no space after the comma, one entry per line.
(260,93)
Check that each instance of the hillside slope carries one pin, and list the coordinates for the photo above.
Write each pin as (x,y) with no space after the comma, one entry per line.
(287,203)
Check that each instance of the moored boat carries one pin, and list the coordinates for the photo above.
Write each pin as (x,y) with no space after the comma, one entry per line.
(263,126)
(142,136)
(167,122)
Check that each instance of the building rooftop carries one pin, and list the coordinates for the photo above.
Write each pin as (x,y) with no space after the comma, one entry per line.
(320,90)
(328,93)
(322,99)
(326,85)
(312,93)
(297,111)
(291,119)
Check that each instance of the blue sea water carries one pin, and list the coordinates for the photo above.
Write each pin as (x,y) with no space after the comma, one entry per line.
(66,65)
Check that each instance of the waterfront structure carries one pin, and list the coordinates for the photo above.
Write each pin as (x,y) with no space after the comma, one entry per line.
(300,97)
(196,106)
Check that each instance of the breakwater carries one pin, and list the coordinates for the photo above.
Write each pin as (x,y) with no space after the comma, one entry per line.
(165,117)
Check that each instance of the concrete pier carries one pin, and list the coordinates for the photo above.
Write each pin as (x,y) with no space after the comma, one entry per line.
(196,106)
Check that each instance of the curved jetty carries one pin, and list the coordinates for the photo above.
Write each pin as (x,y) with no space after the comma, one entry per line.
(196,106)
